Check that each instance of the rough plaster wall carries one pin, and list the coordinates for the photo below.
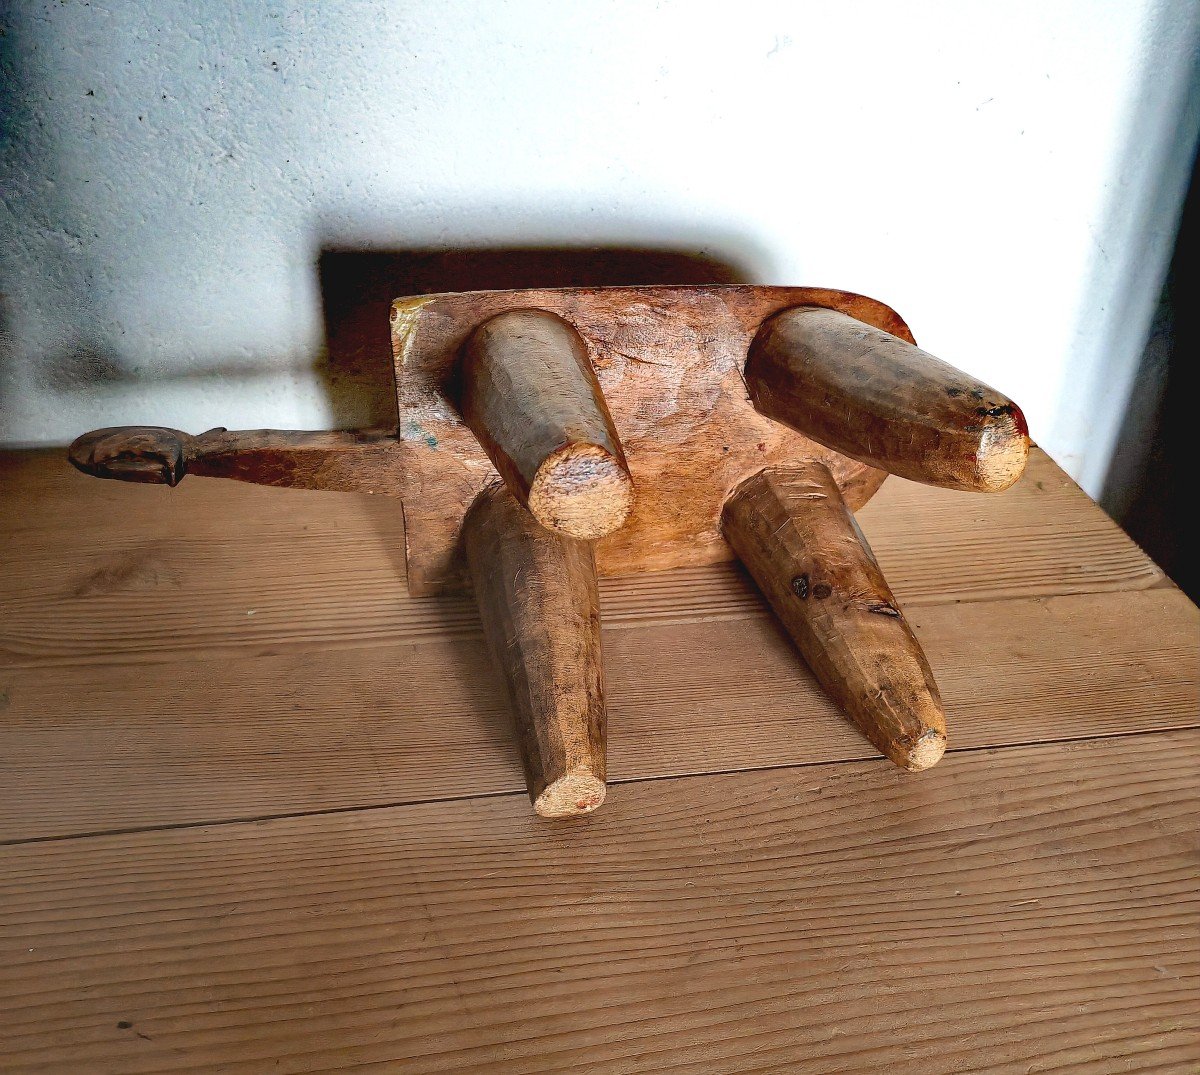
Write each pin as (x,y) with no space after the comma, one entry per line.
(1006,175)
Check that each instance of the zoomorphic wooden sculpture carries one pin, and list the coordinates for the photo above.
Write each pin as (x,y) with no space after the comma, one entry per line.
(546,436)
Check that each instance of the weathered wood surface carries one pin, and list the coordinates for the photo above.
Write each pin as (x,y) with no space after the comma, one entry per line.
(877,398)
(109,746)
(161,574)
(1030,909)
(361,460)
(669,363)
(797,538)
(514,382)
(540,609)
(213,653)
(217,651)
(530,396)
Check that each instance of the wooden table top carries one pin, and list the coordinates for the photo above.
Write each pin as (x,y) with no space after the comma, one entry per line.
(262,812)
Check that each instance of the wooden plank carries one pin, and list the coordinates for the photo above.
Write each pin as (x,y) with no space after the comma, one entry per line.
(1024,910)
(105,572)
(96,747)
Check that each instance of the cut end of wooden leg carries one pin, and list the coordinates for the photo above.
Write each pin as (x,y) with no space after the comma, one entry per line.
(578,792)
(582,490)
(926,752)
(1003,449)
(539,604)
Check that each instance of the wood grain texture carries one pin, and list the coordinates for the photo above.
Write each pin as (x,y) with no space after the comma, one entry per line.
(1032,909)
(250,652)
(1029,909)
(793,531)
(519,379)
(102,746)
(540,609)
(360,460)
(669,363)
(219,568)
(872,395)
(530,396)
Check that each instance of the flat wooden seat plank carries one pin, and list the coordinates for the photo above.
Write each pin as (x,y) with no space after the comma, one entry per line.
(96,747)
(154,574)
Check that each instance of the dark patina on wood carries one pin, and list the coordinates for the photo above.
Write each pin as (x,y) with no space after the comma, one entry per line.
(351,461)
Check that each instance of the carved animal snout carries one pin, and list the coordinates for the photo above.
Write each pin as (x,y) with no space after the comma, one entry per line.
(148,454)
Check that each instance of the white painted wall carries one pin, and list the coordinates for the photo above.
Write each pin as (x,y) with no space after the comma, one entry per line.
(1006,175)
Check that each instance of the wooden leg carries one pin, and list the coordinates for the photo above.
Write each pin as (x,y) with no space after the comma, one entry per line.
(877,398)
(538,599)
(798,539)
(531,397)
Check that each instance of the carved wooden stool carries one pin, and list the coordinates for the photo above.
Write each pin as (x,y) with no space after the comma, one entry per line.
(545,436)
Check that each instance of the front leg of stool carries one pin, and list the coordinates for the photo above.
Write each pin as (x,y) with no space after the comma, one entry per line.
(539,603)
(794,533)
(531,397)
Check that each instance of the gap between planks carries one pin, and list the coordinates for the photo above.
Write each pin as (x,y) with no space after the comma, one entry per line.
(229,570)
(1034,907)
(105,749)
(256,819)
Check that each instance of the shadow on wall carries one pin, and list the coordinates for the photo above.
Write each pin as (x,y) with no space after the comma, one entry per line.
(1148,489)
(1162,132)
(357,289)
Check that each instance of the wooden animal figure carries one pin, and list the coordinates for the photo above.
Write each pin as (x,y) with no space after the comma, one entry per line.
(546,436)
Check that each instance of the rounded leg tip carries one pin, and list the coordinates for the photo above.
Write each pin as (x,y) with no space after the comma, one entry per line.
(1003,452)
(582,491)
(577,793)
(925,753)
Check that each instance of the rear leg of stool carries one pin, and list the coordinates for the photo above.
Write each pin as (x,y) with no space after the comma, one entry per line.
(538,599)
(794,533)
